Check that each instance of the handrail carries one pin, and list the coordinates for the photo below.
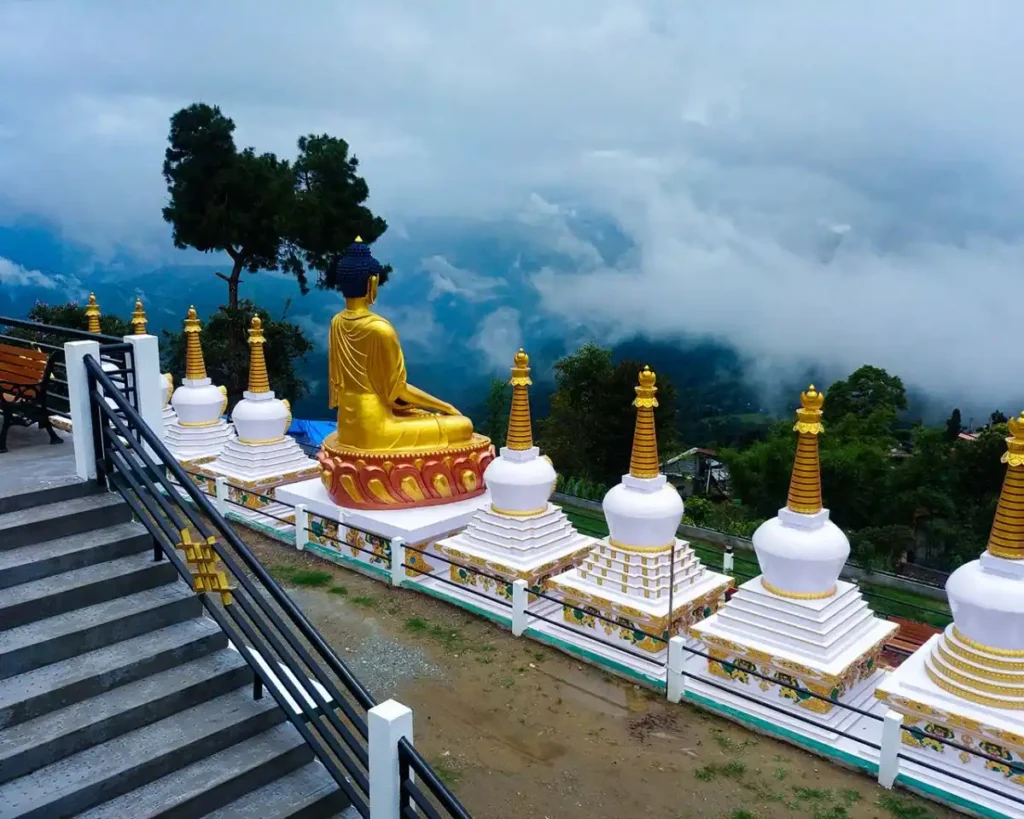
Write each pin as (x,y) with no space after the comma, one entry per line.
(200,499)
(80,335)
(411,761)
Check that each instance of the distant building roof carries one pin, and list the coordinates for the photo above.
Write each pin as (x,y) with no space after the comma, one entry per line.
(967,436)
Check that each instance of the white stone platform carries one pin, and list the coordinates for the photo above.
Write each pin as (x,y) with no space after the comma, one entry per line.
(934,712)
(192,446)
(632,588)
(365,532)
(828,646)
(528,547)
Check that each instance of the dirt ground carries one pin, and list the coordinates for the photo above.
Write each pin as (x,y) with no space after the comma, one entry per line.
(518,729)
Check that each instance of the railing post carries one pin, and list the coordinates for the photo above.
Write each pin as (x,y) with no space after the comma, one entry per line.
(889,762)
(519,589)
(727,560)
(301,526)
(386,724)
(148,383)
(81,407)
(675,682)
(220,494)
(397,561)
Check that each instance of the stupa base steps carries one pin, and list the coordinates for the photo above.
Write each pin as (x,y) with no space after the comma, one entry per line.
(192,446)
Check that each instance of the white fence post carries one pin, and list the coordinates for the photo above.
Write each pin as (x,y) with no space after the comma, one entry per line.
(397,561)
(727,560)
(81,409)
(675,682)
(301,526)
(220,494)
(148,383)
(519,589)
(889,763)
(386,724)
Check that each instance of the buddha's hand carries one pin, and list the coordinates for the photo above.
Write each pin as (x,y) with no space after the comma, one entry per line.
(448,409)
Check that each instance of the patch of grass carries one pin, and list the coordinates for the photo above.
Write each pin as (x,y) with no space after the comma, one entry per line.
(723,742)
(508,682)
(832,812)
(903,809)
(850,796)
(743,814)
(312,578)
(365,601)
(730,770)
(811,793)
(341,591)
(781,773)
(446,772)
(416,625)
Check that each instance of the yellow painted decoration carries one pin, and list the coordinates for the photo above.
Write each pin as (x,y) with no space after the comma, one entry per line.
(139,319)
(1006,539)
(805,485)
(258,381)
(643,461)
(203,563)
(92,314)
(520,430)
(195,367)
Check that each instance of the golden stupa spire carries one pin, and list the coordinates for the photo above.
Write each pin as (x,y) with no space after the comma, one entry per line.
(92,314)
(195,367)
(805,485)
(1007,536)
(258,381)
(643,461)
(139,319)
(520,430)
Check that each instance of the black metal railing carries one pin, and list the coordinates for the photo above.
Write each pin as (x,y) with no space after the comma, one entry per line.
(258,617)
(419,797)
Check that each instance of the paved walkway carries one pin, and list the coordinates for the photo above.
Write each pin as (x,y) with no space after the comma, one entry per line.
(32,464)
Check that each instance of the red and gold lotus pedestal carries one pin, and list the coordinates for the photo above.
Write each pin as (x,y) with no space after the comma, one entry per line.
(404,480)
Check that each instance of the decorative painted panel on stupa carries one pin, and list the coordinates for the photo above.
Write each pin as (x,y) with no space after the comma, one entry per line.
(641,579)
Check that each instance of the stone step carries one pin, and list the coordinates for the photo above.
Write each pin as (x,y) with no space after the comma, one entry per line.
(308,793)
(53,520)
(66,554)
(50,596)
(46,739)
(236,773)
(57,638)
(109,770)
(52,494)
(64,683)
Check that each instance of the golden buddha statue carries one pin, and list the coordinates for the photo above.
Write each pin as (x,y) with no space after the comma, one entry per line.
(396,446)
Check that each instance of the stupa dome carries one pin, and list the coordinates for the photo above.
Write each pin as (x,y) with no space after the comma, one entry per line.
(260,417)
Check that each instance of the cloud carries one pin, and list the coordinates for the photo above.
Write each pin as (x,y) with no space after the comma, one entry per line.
(15,275)
(497,338)
(445,278)
(831,182)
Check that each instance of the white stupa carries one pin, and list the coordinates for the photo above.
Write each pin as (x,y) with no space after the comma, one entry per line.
(641,576)
(797,622)
(199,432)
(262,456)
(967,684)
(520,535)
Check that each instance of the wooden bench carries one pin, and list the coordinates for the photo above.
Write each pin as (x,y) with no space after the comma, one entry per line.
(24,377)
(911,636)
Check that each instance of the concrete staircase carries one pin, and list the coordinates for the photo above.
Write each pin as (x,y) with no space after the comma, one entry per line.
(118,696)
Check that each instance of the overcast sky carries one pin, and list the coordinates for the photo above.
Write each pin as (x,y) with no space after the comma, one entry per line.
(836,181)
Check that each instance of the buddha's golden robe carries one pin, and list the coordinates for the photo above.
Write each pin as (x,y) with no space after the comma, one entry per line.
(367,379)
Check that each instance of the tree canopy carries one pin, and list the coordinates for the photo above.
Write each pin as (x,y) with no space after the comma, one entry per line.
(589,432)
(265,213)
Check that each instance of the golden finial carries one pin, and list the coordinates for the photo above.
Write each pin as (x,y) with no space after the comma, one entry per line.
(805,484)
(139,318)
(643,461)
(258,381)
(195,367)
(359,240)
(1007,536)
(92,314)
(520,430)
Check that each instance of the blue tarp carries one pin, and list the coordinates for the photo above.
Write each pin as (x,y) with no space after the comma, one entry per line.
(310,433)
